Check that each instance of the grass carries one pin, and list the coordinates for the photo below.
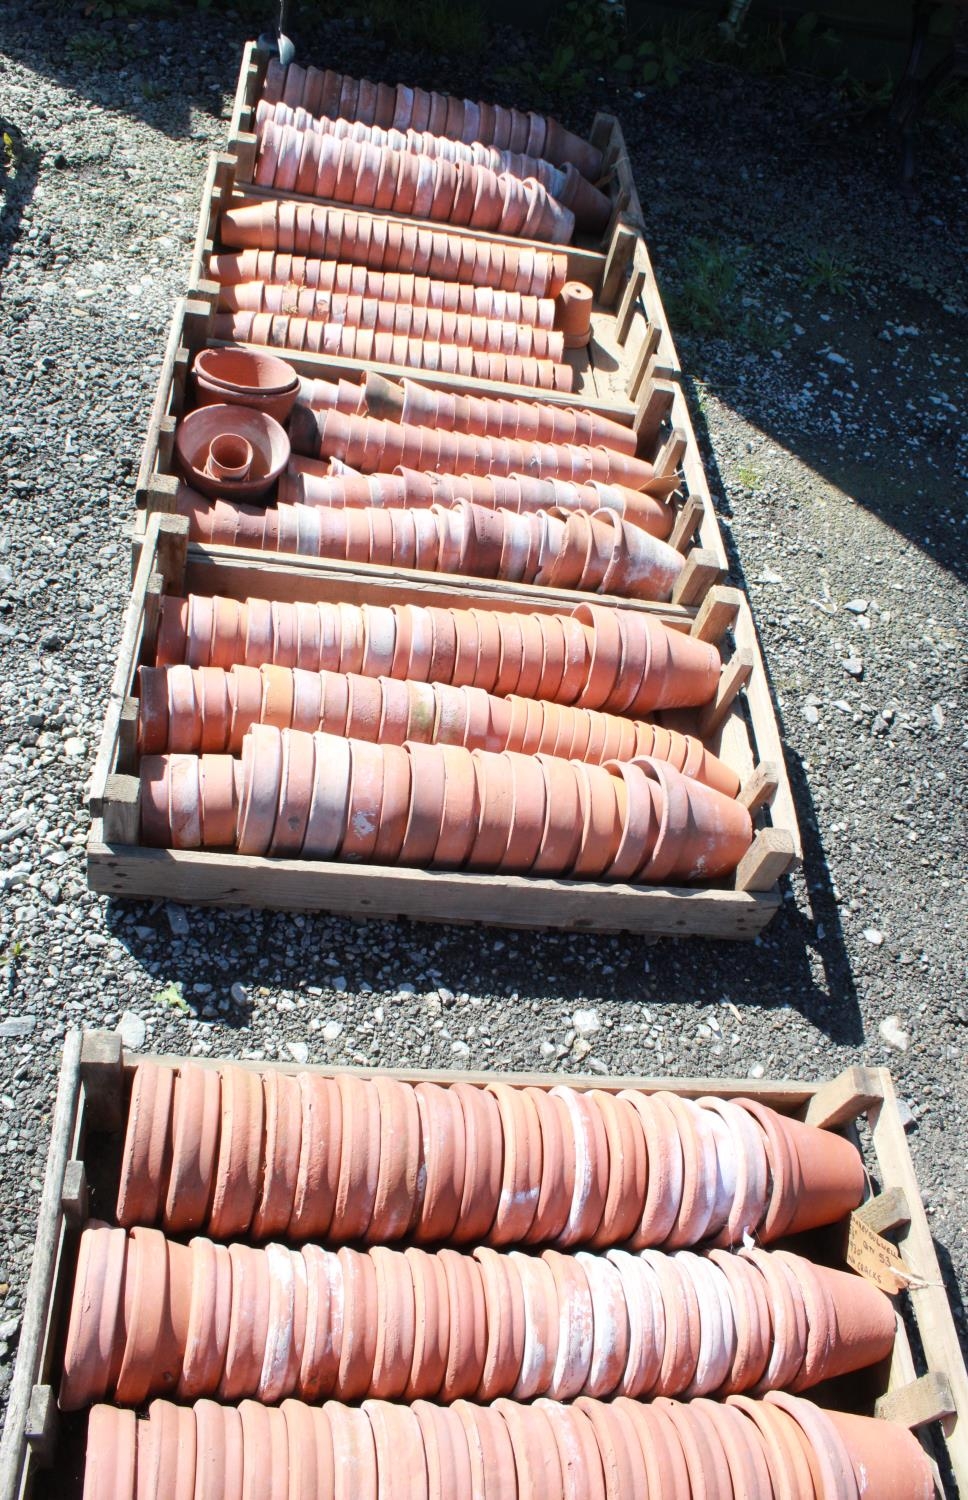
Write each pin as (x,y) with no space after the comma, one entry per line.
(705,301)
(951,104)
(749,477)
(829,271)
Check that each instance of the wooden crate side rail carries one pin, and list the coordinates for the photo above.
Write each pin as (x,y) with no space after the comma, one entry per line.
(219,180)
(924,1400)
(248,88)
(160,565)
(29,1409)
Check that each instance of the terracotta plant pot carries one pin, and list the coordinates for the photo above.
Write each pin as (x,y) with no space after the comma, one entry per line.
(319,435)
(239,378)
(262,435)
(317,700)
(707,1171)
(574,316)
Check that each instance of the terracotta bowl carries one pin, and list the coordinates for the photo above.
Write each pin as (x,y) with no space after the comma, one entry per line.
(267,439)
(240,378)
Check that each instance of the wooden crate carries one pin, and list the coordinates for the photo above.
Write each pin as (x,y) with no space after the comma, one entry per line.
(628,322)
(739,725)
(661,417)
(923,1386)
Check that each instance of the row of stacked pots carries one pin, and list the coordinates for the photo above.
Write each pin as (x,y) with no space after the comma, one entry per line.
(619,660)
(151,1317)
(339,774)
(293,300)
(338,96)
(233,1151)
(433,806)
(594,553)
(285,228)
(186,709)
(781,1448)
(591,207)
(318,164)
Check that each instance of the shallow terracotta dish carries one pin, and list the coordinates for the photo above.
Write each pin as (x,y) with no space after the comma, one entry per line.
(197,432)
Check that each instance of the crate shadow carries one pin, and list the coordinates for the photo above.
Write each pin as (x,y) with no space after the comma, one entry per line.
(169,67)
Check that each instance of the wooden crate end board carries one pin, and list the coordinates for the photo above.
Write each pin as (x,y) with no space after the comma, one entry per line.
(385,893)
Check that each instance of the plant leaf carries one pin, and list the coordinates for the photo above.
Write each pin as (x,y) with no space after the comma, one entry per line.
(172,995)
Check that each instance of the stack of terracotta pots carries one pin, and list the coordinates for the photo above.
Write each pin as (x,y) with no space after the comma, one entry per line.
(336,95)
(427,155)
(447,1339)
(443,1325)
(344,292)
(622,1450)
(591,208)
(597,656)
(597,553)
(319,796)
(453,739)
(304,232)
(418,185)
(209,709)
(425,163)
(368,288)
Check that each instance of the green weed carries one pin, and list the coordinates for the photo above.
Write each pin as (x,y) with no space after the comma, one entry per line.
(705,300)
(828,271)
(749,477)
(951,104)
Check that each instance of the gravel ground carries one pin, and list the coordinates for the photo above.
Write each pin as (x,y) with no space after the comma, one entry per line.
(824,391)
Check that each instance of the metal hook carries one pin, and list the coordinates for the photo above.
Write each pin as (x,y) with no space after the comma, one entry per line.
(280,44)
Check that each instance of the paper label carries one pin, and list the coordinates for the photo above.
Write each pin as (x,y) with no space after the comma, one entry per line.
(875,1258)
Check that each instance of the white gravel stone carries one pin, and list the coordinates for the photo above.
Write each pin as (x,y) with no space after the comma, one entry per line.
(132,1031)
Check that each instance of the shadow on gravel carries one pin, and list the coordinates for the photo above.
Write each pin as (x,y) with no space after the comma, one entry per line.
(149,68)
(18,178)
(789,967)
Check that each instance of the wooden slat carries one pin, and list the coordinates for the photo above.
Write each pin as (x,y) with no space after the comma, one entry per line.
(928,1298)
(128,656)
(926,1399)
(766,732)
(162,402)
(885,1210)
(617,262)
(424,895)
(736,675)
(32,1346)
(770,856)
(845,1097)
(760,789)
(701,572)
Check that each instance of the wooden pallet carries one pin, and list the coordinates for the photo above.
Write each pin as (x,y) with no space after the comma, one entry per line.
(923,1386)
(661,418)
(739,725)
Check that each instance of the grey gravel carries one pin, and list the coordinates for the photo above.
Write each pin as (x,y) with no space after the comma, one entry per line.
(833,481)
